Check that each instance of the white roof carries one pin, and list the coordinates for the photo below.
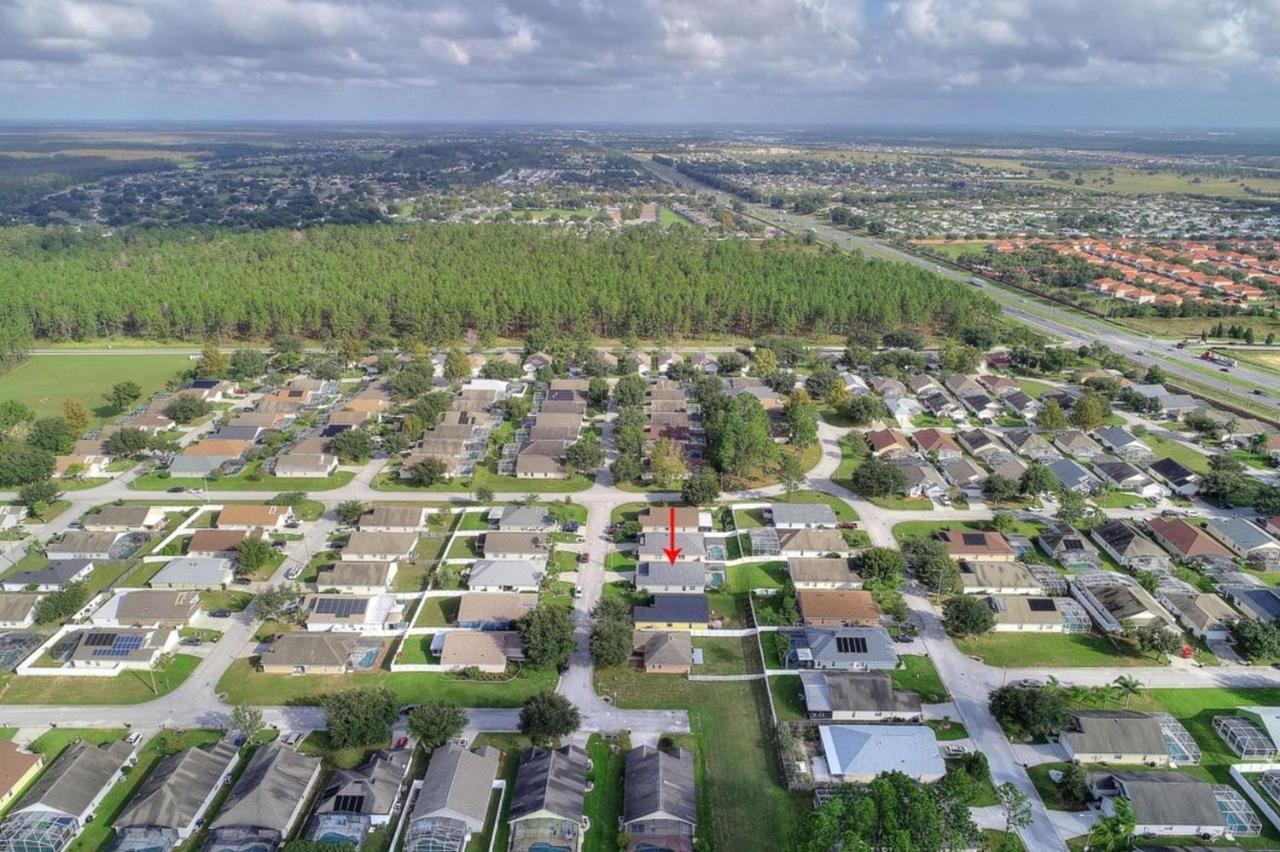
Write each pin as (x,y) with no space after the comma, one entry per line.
(873,749)
(191,570)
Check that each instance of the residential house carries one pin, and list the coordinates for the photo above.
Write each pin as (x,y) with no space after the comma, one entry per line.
(1180,479)
(193,573)
(83,545)
(247,517)
(1129,547)
(1257,602)
(660,804)
(147,608)
(843,648)
(673,612)
(1073,476)
(973,546)
(215,544)
(1036,614)
(487,651)
(962,472)
(49,578)
(267,801)
(888,443)
(858,754)
(365,546)
(357,578)
(1075,443)
(62,801)
(454,800)
(1203,614)
(505,575)
(801,516)
(109,650)
(351,613)
(515,545)
(937,443)
(493,610)
(1116,605)
(1164,804)
(18,610)
(1190,543)
(355,801)
(1120,474)
(837,608)
(1115,736)
(529,519)
(665,577)
(1072,550)
(810,543)
(1006,464)
(998,578)
(922,479)
(302,653)
(980,442)
(547,800)
(305,465)
(169,806)
(124,519)
(1247,540)
(1122,443)
(18,768)
(1031,444)
(651,546)
(664,651)
(858,697)
(824,573)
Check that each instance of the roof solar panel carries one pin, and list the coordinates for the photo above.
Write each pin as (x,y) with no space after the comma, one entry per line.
(339,607)
(974,539)
(1041,604)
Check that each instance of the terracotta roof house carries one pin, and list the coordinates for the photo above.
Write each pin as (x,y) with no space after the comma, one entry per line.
(936,441)
(824,573)
(17,769)
(888,442)
(215,543)
(657,518)
(837,608)
(1190,543)
(977,546)
(245,516)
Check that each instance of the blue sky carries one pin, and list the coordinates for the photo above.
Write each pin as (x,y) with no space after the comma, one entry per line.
(986,62)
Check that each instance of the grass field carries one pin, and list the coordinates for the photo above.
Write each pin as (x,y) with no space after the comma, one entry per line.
(243,685)
(953,248)
(738,787)
(44,381)
(1167,448)
(499,484)
(1179,327)
(1068,650)
(130,687)
(1266,359)
(919,676)
(915,529)
(246,482)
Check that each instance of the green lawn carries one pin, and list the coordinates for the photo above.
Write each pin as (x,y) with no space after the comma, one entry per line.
(788,697)
(755,575)
(246,481)
(243,685)
(44,381)
(464,547)
(1069,650)
(843,511)
(738,786)
(130,687)
(919,676)
(437,612)
(902,504)
(1033,388)
(390,481)
(1167,448)
(603,805)
(617,561)
(732,655)
(915,529)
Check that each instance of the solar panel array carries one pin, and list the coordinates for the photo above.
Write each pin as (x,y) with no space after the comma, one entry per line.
(339,607)
(113,644)
(851,644)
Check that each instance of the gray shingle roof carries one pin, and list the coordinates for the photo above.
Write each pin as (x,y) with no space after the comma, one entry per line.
(1121,732)
(174,792)
(372,789)
(269,790)
(812,514)
(659,785)
(458,785)
(551,781)
(74,780)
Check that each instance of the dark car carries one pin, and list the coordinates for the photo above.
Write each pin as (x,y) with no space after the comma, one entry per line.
(177,489)
(241,581)
(582,558)
(220,613)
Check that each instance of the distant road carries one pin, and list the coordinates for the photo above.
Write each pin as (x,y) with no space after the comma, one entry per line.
(1072,326)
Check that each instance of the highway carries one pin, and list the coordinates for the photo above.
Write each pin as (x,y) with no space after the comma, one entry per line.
(1072,326)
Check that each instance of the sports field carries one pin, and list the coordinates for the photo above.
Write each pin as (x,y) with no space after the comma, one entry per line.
(44,381)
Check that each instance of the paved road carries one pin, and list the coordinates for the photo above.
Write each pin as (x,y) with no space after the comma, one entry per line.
(1069,325)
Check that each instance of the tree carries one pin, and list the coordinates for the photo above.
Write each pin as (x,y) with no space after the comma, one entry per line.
(77,415)
(349,512)
(791,474)
(247,720)
(611,640)
(427,472)
(740,437)
(52,434)
(128,442)
(252,553)
(456,365)
(352,445)
(1128,687)
(839,398)
(627,467)
(598,393)
(928,559)
(434,723)
(1090,411)
(1017,807)
(484,494)
(1072,506)
(882,566)
(585,455)
(876,477)
(999,489)
(1051,416)
(212,364)
(21,463)
(1114,832)
(1034,710)
(865,409)
(38,495)
(1157,639)
(64,603)
(13,413)
(1155,376)
(1073,786)
(359,717)
(186,408)
(630,391)
(666,464)
(547,717)
(801,419)
(763,363)
(247,364)
(730,363)
(1254,639)
(547,634)
(701,488)
(1036,480)
(820,382)
(967,615)
(272,603)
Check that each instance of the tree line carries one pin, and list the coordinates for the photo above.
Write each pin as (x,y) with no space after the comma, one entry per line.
(433,283)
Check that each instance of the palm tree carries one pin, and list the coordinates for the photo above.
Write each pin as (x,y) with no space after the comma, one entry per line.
(1114,832)
(1128,687)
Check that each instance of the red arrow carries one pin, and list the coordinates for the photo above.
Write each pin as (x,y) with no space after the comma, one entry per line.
(671,551)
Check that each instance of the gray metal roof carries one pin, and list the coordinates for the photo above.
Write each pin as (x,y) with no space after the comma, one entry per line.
(74,780)
(674,609)
(551,781)
(525,517)
(56,573)
(194,571)
(174,792)
(855,692)
(504,572)
(1120,732)
(458,785)
(815,514)
(666,574)
(269,790)
(659,785)
(1165,798)
(824,645)
(1241,534)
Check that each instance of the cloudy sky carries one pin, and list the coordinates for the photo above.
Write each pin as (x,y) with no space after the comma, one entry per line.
(1051,62)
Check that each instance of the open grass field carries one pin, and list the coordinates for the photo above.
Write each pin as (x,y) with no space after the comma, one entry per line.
(1125,181)
(130,687)
(738,788)
(483,476)
(44,381)
(1068,650)
(243,685)
(1167,448)
(1179,327)
(953,248)
(915,529)
(1265,359)
(246,481)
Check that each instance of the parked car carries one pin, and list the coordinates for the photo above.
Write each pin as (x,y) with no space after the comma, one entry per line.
(582,558)
(191,640)
(177,489)
(220,613)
